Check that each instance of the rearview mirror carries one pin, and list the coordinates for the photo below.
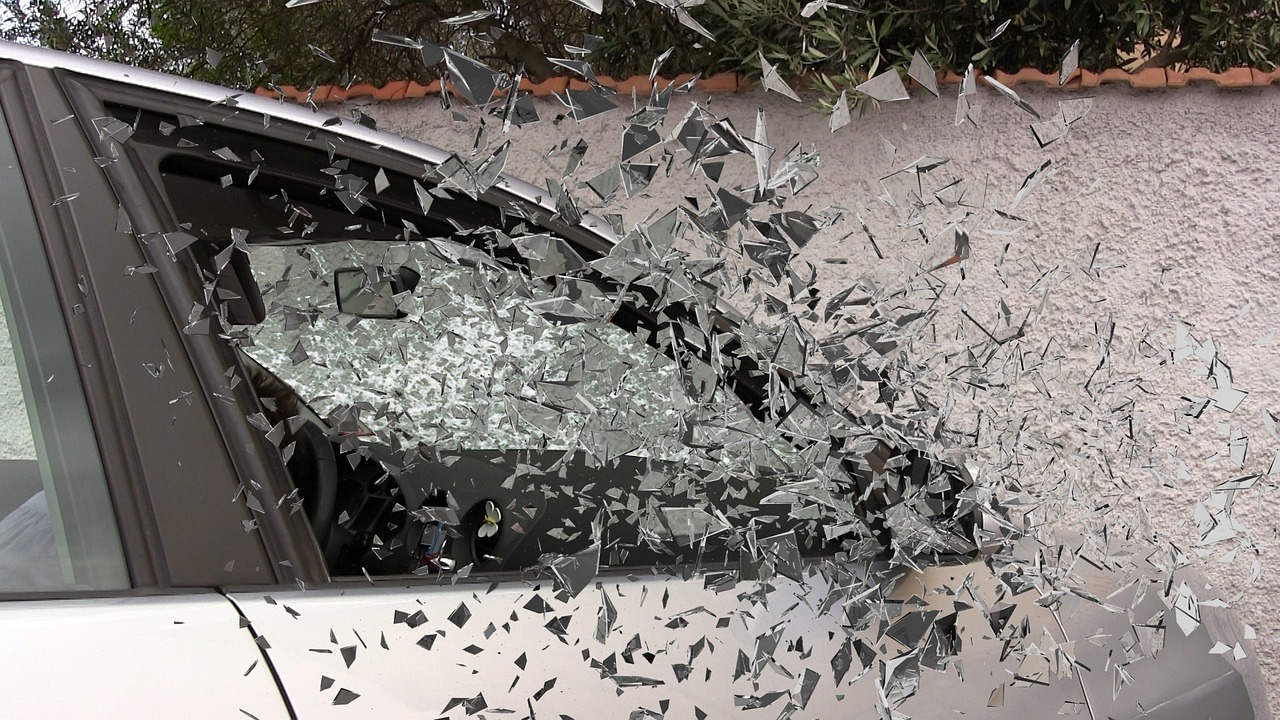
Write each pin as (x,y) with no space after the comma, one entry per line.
(366,297)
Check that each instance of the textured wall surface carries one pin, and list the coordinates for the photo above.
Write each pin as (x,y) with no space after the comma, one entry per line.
(1163,209)
(16,443)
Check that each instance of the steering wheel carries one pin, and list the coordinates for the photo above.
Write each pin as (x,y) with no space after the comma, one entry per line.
(321,499)
(318,466)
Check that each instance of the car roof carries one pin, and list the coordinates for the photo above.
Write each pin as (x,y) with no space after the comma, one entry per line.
(275,108)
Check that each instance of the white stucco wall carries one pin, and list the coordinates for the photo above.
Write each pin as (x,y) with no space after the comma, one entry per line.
(1175,187)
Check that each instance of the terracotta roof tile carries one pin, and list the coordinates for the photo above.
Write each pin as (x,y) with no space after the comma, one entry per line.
(1110,75)
(1151,78)
(418,90)
(1029,75)
(1232,78)
(546,87)
(639,83)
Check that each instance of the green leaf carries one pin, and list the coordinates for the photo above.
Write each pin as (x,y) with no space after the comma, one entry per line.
(864,58)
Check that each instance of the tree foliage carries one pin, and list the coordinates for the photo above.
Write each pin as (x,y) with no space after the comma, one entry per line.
(111,29)
(249,42)
(849,44)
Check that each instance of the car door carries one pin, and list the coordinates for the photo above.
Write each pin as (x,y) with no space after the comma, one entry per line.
(193,155)
(540,609)
(102,606)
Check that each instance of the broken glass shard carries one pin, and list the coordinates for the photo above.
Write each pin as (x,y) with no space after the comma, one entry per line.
(345,697)
(460,615)
(922,72)
(885,87)
(381,36)
(657,63)
(840,112)
(475,81)
(548,255)
(636,139)
(1070,63)
(584,104)
(1049,131)
(773,81)
(573,573)
(1031,182)
(465,18)
(1075,109)
(1013,96)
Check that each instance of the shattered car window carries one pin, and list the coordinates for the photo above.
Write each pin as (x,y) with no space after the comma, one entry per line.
(474,373)
(472,364)
(657,458)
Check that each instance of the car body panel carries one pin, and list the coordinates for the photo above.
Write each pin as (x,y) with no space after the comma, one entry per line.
(556,642)
(471,637)
(175,656)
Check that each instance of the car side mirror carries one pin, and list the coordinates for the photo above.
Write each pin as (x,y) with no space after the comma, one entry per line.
(376,299)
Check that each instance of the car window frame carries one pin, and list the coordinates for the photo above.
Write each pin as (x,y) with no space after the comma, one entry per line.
(35,296)
(138,181)
(58,159)
(588,242)
(22,113)
(286,555)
